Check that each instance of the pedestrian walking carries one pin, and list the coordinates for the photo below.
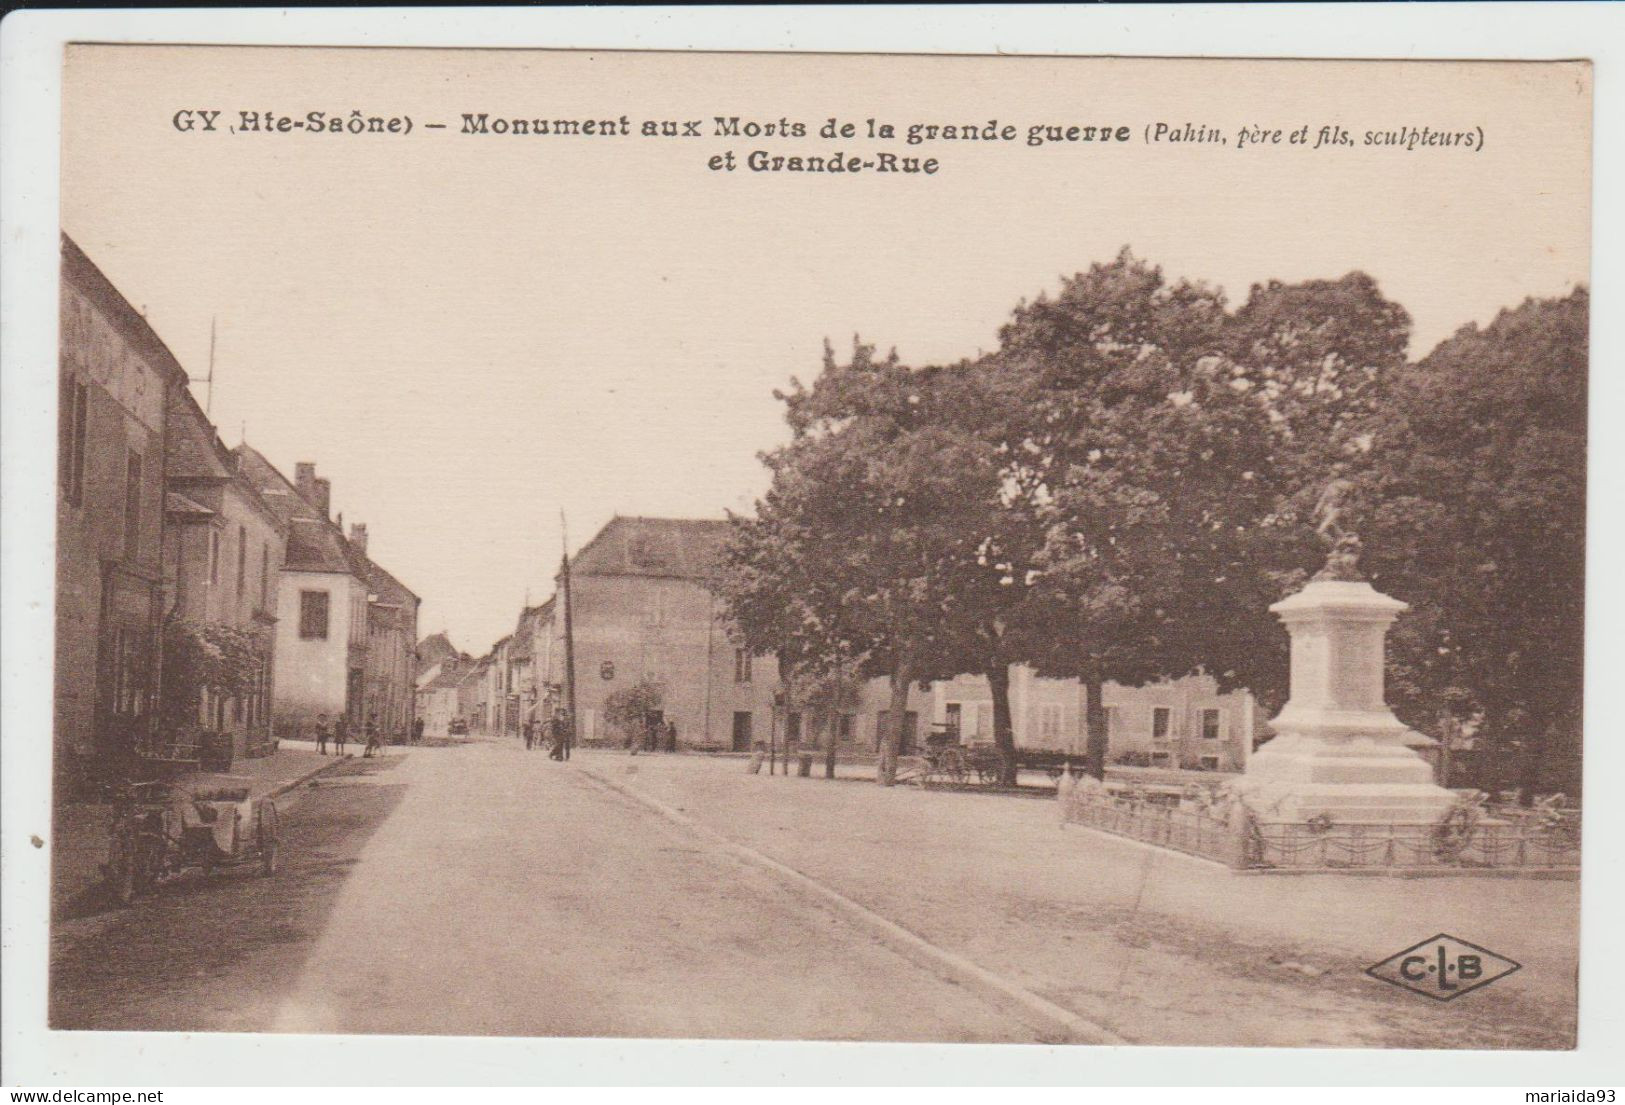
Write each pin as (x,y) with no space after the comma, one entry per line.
(375,742)
(417,731)
(530,733)
(322,733)
(341,733)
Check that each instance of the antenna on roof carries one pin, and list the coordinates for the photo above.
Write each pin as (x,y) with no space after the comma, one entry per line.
(209,379)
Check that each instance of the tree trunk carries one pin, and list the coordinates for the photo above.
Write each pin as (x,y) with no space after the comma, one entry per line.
(1004,732)
(832,726)
(1531,769)
(892,740)
(1447,738)
(1094,713)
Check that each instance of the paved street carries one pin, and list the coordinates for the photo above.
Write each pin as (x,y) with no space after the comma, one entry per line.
(483,890)
(502,894)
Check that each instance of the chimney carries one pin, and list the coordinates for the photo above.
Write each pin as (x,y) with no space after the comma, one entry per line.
(304,479)
(358,537)
(324,495)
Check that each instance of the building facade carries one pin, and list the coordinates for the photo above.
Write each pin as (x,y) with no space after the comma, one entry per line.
(345,627)
(115,380)
(643,608)
(390,667)
(223,553)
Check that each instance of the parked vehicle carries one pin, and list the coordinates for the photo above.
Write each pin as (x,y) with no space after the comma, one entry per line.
(161,830)
(458,728)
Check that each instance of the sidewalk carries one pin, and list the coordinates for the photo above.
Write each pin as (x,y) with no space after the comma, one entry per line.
(1157,946)
(80,829)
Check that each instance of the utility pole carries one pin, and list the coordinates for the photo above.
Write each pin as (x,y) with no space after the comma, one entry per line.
(569,639)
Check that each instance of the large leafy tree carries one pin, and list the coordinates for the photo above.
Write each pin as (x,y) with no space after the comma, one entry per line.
(1179,449)
(1473,510)
(850,553)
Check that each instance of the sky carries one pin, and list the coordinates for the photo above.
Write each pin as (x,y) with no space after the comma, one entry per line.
(472,334)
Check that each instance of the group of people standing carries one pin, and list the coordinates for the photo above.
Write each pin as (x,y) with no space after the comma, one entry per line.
(555,732)
(339,733)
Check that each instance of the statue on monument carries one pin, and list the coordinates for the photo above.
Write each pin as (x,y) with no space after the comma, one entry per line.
(1343,559)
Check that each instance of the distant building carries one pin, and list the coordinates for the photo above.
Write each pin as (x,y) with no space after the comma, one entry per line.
(389,679)
(643,608)
(224,549)
(498,685)
(441,670)
(1172,723)
(431,652)
(439,696)
(473,695)
(116,379)
(345,627)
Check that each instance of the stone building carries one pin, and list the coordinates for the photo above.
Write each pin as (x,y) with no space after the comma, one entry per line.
(1173,723)
(390,669)
(116,379)
(441,669)
(643,609)
(439,696)
(432,652)
(473,695)
(345,627)
(498,687)
(223,553)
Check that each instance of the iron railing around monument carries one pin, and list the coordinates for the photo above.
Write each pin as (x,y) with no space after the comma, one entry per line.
(1229,833)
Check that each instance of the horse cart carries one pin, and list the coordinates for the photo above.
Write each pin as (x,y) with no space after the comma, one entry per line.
(163,829)
(944,761)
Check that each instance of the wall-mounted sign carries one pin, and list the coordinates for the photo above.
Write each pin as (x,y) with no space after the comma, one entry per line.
(607,669)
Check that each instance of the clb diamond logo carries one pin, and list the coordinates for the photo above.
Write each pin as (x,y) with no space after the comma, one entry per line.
(1443,968)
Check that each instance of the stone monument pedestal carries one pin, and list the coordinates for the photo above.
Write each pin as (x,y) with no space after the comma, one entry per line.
(1339,751)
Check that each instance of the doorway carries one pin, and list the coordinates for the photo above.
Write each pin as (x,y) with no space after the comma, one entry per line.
(742,733)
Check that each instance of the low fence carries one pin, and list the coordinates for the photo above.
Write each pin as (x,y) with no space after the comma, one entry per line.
(1228,833)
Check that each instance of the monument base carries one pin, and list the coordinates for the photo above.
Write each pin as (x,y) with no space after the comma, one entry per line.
(1367,779)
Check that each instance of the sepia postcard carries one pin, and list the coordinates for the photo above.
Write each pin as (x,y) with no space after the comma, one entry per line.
(736,546)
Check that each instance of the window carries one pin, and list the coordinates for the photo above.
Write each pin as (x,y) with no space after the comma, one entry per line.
(313,615)
(1049,722)
(844,727)
(955,718)
(129,672)
(71,439)
(242,559)
(1210,725)
(1161,720)
(741,665)
(1210,763)
(214,556)
(265,575)
(1114,720)
(132,503)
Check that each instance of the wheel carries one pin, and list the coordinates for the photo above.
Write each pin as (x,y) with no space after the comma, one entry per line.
(266,836)
(121,861)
